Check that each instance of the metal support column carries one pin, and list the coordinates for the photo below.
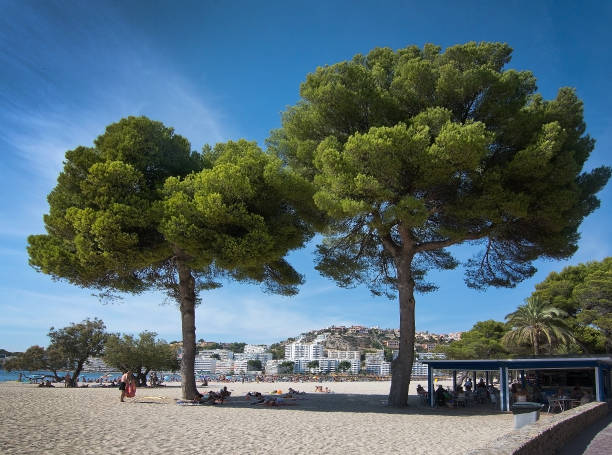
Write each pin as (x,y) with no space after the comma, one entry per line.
(487,377)
(503,389)
(599,390)
(474,380)
(454,381)
(430,385)
(523,380)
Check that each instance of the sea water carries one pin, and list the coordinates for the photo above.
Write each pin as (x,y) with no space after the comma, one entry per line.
(14,375)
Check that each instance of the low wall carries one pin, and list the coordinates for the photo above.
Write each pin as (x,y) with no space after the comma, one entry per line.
(546,436)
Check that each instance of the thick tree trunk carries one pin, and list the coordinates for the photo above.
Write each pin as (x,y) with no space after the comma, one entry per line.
(536,345)
(187,304)
(402,366)
(75,376)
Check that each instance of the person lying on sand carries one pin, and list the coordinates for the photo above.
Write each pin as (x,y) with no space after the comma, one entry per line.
(276,401)
(210,398)
(295,392)
(279,401)
(250,395)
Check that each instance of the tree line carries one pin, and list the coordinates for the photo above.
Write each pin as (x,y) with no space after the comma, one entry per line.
(71,347)
(570,312)
(393,157)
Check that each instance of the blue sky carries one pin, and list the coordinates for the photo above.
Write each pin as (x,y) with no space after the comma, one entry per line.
(225,70)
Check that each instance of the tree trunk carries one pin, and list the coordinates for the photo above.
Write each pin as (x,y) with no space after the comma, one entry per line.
(77,372)
(187,305)
(402,366)
(536,345)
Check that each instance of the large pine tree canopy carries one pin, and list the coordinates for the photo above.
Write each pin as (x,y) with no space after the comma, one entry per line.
(431,148)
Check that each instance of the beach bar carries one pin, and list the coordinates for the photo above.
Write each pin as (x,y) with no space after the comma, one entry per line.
(597,368)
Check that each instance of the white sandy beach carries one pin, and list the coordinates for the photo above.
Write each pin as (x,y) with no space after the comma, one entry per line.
(353,419)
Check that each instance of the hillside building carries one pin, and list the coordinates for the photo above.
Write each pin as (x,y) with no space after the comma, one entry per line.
(310,351)
(342,355)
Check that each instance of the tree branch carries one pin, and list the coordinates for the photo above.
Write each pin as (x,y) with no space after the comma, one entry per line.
(438,245)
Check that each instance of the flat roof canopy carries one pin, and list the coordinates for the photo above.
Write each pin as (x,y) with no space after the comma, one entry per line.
(601,365)
(521,364)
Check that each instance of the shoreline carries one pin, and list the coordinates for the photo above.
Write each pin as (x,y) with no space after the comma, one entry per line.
(354,418)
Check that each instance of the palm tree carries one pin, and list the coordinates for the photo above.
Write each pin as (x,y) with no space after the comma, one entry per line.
(537,321)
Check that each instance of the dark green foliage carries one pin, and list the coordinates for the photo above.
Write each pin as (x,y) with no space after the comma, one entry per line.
(584,292)
(314,364)
(236,347)
(427,149)
(140,211)
(413,151)
(286,367)
(38,358)
(7,353)
(482,341)
(245,228)
(344,366)
(277,350)
(388,354)
(537,324)
(140,355)
(77,342)
(254,365)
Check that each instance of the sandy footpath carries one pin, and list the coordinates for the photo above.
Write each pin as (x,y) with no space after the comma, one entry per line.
(353,419)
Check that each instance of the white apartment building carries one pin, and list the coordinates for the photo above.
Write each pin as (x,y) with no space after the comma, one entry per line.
(431,355)
(343,355)
(224,367)
(301,365)
(311,351)
(271,366)
(321,337)
(263,357)
(254,349)
(224,354)
(327,365)
(419,369)
(205,364)
(240,366)
(375,356)
(378,367)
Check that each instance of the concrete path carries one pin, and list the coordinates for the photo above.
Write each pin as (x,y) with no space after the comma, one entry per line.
(594,440)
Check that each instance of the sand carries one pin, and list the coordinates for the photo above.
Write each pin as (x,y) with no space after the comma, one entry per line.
(353,419)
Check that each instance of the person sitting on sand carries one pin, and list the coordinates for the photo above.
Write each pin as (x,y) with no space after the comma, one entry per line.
(224,393)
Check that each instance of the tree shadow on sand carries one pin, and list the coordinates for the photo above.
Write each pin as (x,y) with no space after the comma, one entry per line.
(357,403)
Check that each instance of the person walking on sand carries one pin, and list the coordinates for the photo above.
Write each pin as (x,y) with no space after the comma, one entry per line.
(127,385)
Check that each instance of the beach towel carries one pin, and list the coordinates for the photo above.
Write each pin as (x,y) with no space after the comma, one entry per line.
(130,390)
(191,403)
